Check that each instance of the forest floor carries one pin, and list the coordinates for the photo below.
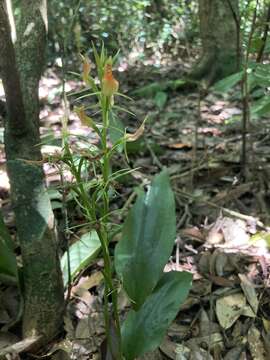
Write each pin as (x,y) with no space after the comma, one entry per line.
(223,220)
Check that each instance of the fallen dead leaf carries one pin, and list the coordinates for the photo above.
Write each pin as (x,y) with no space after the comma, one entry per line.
(249,291)
(179,146)
(229,308)
(87,283)
(255,344)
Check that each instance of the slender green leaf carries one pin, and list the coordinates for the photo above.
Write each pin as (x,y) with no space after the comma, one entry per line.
(115,56)
(124,96)
(124,110)
(143,331)
(228,82)
(87,95)
(81,254)
(147,240)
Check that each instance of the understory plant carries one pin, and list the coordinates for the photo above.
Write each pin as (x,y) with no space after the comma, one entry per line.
(148,234)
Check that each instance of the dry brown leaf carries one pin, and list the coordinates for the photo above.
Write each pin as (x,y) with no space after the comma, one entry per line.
(85,120)
(255,344)
(179,146)
(249,291)
(229,308)
(87,283)
(138,133)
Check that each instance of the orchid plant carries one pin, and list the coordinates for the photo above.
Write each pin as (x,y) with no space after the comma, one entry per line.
(148,234)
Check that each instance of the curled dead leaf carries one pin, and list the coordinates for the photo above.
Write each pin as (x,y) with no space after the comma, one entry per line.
(138,133)
(85,120)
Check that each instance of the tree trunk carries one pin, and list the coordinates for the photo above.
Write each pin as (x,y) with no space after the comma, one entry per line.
(20,72)
(219,31)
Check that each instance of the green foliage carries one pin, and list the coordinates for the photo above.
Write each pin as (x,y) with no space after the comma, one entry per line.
(142,331)
(142,26)
(161,99)
(149,90)
(147,241)
(258,76)
(261,107)
(229,82)
(94,199)
(8,264)
(148,234)
(258,80)
(152,89)
(116,130)
(81,254)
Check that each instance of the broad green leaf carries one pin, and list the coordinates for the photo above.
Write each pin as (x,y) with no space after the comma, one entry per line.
(259,77)
(155,87)
(8,264)
(261,107)
(81,254)
(147,240)
(265,110)
(149,90)
(228,82)
(175,84)
(143,331)
(160,99)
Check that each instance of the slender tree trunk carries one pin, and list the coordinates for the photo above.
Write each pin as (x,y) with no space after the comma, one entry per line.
(157,8)
(20,71)
(264,36)
(219,31)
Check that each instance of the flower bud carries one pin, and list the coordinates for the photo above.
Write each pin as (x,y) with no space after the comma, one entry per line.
(109,83)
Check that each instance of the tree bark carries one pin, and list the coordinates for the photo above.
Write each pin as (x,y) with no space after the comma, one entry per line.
(219,31)
(20,71)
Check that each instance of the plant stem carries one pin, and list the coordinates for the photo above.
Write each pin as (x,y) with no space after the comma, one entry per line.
(264,37)
(103,232)
(245,95)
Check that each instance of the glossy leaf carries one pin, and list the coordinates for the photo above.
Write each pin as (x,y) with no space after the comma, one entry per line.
(81,254)
(147,240)
(143,331)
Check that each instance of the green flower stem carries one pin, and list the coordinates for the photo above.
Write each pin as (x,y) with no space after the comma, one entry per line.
(89,207)
(103,232)
(88,201)
(90,214)
(103,237)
